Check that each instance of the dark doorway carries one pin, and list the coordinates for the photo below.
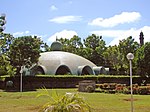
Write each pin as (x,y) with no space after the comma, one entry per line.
(87,70)
(62,70)
(38,71)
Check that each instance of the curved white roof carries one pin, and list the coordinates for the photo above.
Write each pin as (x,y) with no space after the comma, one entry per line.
(52,61)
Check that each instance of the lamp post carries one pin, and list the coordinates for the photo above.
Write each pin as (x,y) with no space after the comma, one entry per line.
(21,72)
(130,57)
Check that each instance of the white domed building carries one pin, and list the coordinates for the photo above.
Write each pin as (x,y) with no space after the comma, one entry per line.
(57,62)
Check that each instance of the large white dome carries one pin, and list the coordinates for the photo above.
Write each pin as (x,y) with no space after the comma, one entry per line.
(58,62)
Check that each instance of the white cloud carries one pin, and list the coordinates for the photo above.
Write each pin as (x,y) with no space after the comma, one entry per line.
(17,34)
(122,34)
(66,19)
(62,34)
(53,8)
(124,17)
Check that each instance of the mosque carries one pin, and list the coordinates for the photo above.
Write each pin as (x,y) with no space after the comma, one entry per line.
(57,62)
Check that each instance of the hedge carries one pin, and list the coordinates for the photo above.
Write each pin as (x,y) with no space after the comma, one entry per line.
(68,81)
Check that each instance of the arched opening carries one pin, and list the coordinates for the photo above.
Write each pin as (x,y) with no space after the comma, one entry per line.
(99,70)
(63,69)
(85,70)
(38,71)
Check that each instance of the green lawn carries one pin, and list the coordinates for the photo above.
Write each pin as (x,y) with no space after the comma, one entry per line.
(100,102)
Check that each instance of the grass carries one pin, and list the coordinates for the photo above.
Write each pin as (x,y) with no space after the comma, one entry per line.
(100,102)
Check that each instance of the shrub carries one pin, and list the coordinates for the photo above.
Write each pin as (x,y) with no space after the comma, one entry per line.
(144,90)
(126,90)
(135,89)
(112,91)
(105,86)
(70,102)
(120,88)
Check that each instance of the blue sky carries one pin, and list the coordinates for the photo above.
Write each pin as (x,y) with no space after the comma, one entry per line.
(113,19)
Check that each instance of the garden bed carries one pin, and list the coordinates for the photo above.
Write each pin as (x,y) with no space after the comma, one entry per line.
(123,88)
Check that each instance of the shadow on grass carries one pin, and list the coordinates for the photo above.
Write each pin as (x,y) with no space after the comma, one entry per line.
(12,90)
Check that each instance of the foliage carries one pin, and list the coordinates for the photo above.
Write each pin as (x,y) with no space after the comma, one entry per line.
(70,102)
(126,46)
(146,58)
(5,42)
(5,67)
(25,51)
(44,47)
(88,76)
(143,59)
(116,55)
(123,88)
(111,57)
(95,47)
(73,45)
(139,60)
(144,90)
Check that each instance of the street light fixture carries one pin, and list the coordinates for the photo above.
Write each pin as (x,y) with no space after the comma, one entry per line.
(130,57)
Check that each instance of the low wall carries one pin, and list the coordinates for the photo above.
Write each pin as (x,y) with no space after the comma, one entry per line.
(31,82)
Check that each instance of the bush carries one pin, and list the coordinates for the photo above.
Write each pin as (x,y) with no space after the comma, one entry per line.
(144,90)
(120,88)
(70,102)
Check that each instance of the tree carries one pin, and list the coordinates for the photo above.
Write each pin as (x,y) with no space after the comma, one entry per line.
(73,45)
(5,42)
(5,67)
(5,39)
(25,51)
(147,58)
(45,47)
(126,46)
(111,57)
(64,42)
(143,60)
(94,49)
(2,22)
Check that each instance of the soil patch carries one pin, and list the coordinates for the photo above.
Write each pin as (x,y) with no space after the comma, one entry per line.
(129,99)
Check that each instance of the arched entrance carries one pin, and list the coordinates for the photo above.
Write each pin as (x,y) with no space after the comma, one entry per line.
(99,70)
(85,70)
(37,70)
(63,69)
